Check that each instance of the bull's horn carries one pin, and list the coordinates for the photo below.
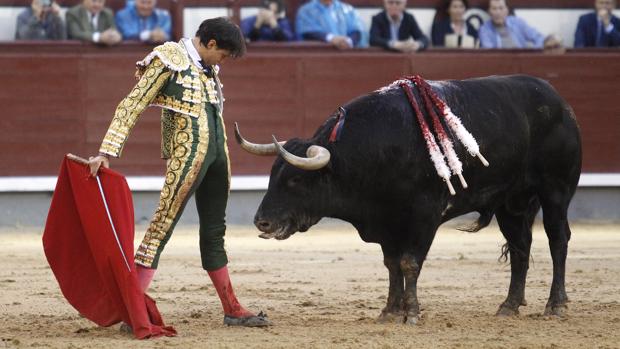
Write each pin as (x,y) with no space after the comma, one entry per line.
(256,149)
(317,158)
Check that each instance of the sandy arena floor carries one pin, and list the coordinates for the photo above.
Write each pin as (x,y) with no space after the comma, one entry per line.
(324,288)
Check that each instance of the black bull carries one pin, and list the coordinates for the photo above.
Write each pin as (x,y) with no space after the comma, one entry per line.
(378,176)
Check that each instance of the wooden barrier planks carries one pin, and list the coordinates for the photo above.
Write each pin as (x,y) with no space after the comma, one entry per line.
(60,99)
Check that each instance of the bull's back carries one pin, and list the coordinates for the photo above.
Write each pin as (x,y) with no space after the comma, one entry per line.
(525,129)
(512,116)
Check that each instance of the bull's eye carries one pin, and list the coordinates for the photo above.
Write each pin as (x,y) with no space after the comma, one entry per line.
(294,181)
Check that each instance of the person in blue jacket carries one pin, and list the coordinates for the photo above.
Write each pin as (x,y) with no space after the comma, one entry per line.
(270,24)
(330,21)
(507,31)
(141,20)
(599,28)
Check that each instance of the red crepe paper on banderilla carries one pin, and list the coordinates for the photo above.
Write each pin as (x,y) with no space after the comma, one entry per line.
(88,242)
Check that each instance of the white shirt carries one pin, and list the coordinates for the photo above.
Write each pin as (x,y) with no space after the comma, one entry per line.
(94,21)
(394,26)
(463,30)
(192,51)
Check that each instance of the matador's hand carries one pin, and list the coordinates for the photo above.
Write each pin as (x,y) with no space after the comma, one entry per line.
(97,161)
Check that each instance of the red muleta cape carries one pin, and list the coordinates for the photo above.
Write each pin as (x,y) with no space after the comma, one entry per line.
(95,275)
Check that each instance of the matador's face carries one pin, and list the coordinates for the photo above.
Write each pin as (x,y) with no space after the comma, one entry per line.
(211,54)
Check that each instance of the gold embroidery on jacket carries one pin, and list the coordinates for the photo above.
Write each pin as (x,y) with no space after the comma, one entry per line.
(172,54)
(192,93)
(174,104)
(129,109)
(167,130)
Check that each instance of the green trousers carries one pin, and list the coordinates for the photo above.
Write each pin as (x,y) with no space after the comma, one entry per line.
(198,165)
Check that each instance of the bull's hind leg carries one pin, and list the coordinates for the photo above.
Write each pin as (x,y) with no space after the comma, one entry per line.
(559,162)
(517,229)
(555,207)
(393,311)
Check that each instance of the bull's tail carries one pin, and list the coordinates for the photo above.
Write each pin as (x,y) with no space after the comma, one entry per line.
(483,221)
(503,257)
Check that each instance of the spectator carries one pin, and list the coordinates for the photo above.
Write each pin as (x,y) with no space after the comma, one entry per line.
(91,21)
(331,21)
(600,28)
(270,24)
(554,45)
(142,21)
(450,28)
(395,29)
(507,31)
(40,22)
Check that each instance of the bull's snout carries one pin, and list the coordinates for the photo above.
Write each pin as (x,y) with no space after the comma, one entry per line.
(271,230)
(262,225)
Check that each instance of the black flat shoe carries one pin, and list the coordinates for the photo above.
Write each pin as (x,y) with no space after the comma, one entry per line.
(259,320)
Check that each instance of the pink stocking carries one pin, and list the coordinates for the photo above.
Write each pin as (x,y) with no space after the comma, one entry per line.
(145,276)
(221,281)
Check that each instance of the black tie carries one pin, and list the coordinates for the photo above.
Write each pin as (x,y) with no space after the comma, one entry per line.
(206,69)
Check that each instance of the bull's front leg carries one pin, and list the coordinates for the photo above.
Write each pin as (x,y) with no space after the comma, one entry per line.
(411,262)
(393,311)
(411,270)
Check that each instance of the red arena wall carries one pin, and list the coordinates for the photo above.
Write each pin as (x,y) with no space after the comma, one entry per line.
(60,98)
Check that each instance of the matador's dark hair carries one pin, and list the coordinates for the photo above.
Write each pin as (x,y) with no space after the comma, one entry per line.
(226,34)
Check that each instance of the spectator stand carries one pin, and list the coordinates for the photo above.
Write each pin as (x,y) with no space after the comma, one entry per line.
(195,11)
(10,9)
(548,16)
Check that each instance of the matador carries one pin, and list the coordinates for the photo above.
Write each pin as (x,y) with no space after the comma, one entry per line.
(182,78)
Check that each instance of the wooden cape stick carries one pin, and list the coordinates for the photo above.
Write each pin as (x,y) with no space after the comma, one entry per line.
(77,159)
(105,204)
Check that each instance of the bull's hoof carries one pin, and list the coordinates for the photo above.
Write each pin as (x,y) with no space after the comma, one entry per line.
(559,310)
(507,311)
(391,317)
(412,319)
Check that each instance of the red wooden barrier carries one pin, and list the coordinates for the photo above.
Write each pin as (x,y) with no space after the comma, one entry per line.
(60,98)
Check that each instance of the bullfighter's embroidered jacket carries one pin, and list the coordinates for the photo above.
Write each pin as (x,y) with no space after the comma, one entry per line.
(168,79)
